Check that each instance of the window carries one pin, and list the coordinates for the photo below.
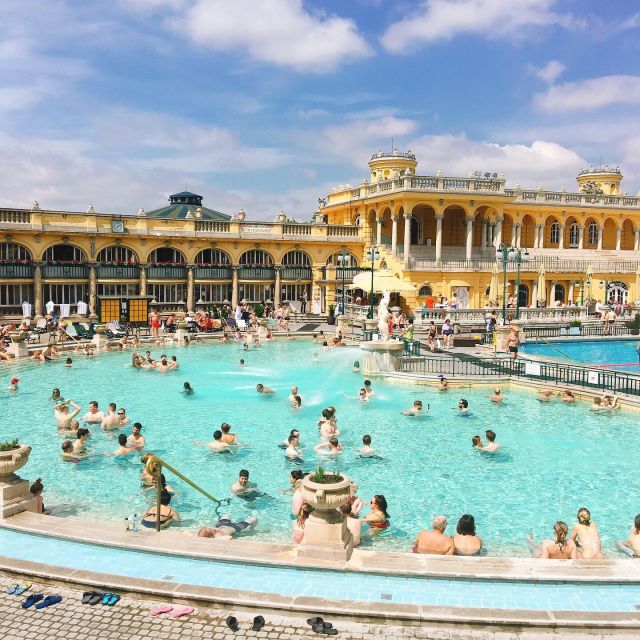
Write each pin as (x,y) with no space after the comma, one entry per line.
(559,294)
(117,255)
(213,292)
(594,233)
(574,234)
(167,292)
(256,258)
(117,289)
(213,256)
(10,251)
(555,233)
(296,259)
(65,293)
(425,290)
(64,253)
(292,292)
(336,259)
(254,293)
(13,295)
(165,255)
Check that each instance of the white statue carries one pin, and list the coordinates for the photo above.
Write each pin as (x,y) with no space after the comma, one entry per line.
(383,317)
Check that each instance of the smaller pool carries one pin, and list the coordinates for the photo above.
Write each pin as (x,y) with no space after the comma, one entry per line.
(614,354)
(335,585)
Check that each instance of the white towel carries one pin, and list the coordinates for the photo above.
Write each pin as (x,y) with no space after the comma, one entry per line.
(82,308)
(65,310)
(50,306)
(26,310)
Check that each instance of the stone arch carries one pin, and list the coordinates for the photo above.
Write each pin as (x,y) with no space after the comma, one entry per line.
(591,233)
(64,252)
(425,290)
(453,226)
(479,216)
(609,234)
(628,240)
(256,257)
(423,225)
(551,238)
(350,259)
(117,253)
(296,258)
(386,225)
(527,232)
(213,255)
(507,229)
(165,255)
(559,293)
(14,252)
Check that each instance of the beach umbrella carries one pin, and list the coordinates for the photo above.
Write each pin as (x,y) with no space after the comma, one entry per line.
(589,275)
(383,280)
(493,287)
(542,285)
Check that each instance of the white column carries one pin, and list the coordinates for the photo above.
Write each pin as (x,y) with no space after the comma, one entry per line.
(277,294)
(378,230)
(600,234)
(552,294)
(536,237)
(636,244)
(561,243)
(92,293)
(484,235)
(469,238)
(498,236)
(37,293)
(190,290)
(234,287)
(570,293)
(394,234)
(143,280)
(580,236)
(439,237)
(618,238)
(407,236)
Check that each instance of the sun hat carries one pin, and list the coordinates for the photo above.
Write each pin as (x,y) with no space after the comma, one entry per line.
(14,380)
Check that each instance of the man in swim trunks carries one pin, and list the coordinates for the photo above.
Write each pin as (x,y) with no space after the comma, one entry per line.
(217,445)
(631,546)
(496,397)
(81,438)
(136,439)
(225,529)
(111,420)
(62,415)
(293,451)
(260,388)
(416,409)
(366,450)
(293,394)
(243,488)
(331,447)
(124,448)
(368,389)
(492,446)
(94,415)
(435,542)
(513,340)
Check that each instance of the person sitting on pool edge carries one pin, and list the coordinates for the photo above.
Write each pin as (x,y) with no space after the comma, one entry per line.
(631,546)
(434,542)
(466,542)
(558,549)
(378,518)
(167,513)
(225,529)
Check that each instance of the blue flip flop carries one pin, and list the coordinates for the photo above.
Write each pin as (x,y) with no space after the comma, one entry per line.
(106,598)
(113,599)
(49,601)
(12,589)
(22,588)
(31,600)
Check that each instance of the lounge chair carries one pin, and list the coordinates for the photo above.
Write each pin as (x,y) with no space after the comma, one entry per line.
(83,330)
(114,331)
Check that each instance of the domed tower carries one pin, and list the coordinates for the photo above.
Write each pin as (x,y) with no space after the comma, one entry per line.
(387,166)
(604,180)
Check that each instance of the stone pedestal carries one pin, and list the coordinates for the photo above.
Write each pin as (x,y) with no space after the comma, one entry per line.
(342,324)
(15,496)
(381,356)
(501,338)
(99,337)
(18,349)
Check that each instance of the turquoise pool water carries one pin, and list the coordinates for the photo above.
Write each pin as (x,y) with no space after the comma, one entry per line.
(335,585)
(618,354)
(555,458)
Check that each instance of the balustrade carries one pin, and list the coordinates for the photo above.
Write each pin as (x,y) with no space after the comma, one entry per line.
(13,217)
(213,226)
(295,273)
(166,272)
(65,270)
(118,271)
(16,270)
(213,273)
(256,273)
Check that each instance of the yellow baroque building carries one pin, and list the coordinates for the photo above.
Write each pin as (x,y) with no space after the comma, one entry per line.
(438,232)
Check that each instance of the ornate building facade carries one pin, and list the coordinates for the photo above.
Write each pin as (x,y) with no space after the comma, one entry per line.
(438,232)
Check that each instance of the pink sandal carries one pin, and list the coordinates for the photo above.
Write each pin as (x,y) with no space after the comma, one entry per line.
(186,611)
(165,608)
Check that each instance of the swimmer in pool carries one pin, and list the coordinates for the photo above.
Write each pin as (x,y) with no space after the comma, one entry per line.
(586,535)
(217,445)
(285,443)
(378,518)
(296,402)
(356,367)
(260,388)
(496,397)
(79,443)
(187,389)
(294,393)
(227,436)
(331,447)
(293,450)
(67,453)
(567,396)
(492,446)
(463,407)
(225,529)
(557,549)
(62,415)
(124,448)
(476,442)
(444,384)
(111,421)
(368,389)
(416,409)
(366,450)
(94,415)
(545,395)
(329,430)
(362,395)
(631,546)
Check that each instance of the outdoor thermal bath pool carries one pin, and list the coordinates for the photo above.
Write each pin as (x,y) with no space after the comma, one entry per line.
(555,458)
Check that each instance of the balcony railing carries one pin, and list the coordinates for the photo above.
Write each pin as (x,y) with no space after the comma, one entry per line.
(337,273)
(577,199)
(423,315)
(295,273)
(16,270)
(166,272)
(256,273)
(296,229)
(67,271)
(15,217)
(213,273)
(118,271)
(342,231)
(213,226)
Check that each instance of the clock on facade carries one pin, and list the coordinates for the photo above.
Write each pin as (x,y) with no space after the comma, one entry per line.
(117,226)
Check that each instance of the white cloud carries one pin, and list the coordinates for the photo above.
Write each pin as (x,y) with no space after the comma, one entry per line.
(593,93)
(632,22)
(441,20)
(550,72)
(278,32)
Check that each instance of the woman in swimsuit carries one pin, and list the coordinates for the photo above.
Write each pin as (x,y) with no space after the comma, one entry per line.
(167,514)
(298,524)
(466,542)
(432,336)
(585,534)
(378,518)
(226,529)
(560,548)
(447,332)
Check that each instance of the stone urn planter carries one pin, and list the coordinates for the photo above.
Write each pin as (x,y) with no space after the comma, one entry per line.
(101,329)
(13,460)
(326,526)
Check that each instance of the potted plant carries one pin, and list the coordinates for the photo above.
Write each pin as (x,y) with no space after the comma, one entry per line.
(259,310)
(13,456)
(331,319)
(575,327)
(634,324)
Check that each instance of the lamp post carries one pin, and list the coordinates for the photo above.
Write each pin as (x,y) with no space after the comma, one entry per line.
(519,263)
(504,249)
(342,260)
(372,254)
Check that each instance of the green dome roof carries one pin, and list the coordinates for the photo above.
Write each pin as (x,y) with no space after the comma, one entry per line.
(181,204)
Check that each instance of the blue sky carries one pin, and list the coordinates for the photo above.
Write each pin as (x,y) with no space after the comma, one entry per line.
(264,105)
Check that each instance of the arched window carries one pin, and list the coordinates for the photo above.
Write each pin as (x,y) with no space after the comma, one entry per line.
(117,255)
(11,252)
(574,234)
(349,260)
(296,259)
(555,233)
(213,256)
(166,255)
(523,295)
(64,253)
(594,233)
(559,294)
(256,258)
(425,290)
